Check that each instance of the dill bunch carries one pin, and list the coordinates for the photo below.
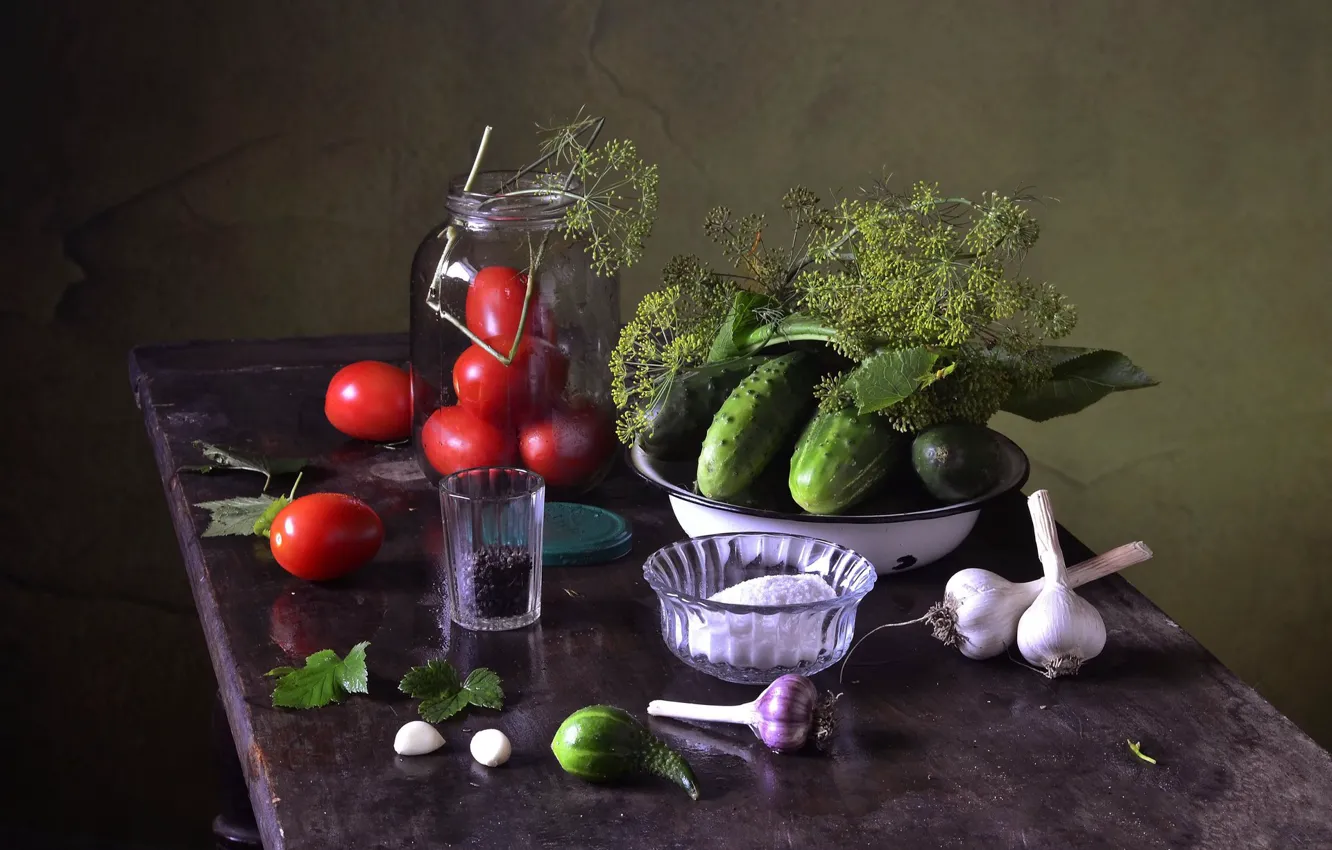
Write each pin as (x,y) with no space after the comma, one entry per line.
(936,281)
(902,270)
(917,269)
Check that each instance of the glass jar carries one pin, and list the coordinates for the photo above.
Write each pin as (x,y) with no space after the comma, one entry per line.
(549,410)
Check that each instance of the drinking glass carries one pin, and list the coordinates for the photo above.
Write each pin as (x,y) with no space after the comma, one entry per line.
(493,524)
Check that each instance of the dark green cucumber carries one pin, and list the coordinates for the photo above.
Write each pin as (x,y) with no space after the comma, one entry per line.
(681,420)
(602,743)
(957,462)
(841,459)
(756,420)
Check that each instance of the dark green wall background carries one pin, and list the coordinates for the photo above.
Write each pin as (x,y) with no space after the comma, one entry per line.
(225,169)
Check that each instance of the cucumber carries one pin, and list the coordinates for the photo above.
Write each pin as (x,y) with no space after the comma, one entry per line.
(681,420)
(769,491)
(841,458)
(602,743)
(957,462)
(756,419)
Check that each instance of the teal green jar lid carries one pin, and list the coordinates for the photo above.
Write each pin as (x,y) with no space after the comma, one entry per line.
(582,534)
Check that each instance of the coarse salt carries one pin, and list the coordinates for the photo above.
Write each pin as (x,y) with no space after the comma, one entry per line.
(764,641)
(776,590)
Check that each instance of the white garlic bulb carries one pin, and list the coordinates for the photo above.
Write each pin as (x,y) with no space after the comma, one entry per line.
(985,609)
(1060,630)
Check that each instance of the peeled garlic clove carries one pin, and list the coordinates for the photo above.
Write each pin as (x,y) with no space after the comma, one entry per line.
(491,747)
(417,738)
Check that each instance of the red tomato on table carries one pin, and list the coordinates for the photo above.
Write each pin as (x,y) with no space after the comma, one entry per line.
(509,394)
(495,303)
(569,446)
(370,400)
(455,439)
(325,535)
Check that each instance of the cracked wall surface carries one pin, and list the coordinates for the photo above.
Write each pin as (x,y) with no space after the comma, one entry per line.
(239,169)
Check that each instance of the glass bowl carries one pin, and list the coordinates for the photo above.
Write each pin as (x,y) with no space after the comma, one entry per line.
(754,644)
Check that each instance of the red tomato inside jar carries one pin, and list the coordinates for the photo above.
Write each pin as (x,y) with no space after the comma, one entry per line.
(511,337)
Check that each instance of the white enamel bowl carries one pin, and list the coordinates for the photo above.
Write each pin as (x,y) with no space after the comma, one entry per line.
(893,540)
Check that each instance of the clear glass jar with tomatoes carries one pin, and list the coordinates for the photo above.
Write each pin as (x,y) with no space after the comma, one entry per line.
(511,335)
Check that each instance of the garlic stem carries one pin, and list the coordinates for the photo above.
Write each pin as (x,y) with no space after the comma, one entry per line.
(744,713)
(1047,538)
(1108,563)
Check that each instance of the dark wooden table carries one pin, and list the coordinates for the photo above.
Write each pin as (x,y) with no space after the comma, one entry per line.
(933,750)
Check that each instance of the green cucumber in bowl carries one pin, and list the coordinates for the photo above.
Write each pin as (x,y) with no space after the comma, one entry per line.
(680,421)
(758,417)
(841,459)
(957,461)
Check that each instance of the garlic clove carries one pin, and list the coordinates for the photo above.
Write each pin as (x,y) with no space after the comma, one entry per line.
(491,747)
(416,738)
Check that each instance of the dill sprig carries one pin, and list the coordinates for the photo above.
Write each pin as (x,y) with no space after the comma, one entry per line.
(613,191)
(613,206)
(672,330)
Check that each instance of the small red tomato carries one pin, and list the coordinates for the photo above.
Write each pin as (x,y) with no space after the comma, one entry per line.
(370,400)
(568,447)
(454,439)
(325,535)
(495,303)
(509,394)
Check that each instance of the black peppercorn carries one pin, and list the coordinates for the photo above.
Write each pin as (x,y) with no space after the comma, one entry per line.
(496,581)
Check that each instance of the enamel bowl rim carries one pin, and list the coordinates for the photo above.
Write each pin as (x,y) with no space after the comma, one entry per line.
(647,468)
(851,598)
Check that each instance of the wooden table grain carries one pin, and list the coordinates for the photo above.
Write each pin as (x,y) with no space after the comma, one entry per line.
(933,750)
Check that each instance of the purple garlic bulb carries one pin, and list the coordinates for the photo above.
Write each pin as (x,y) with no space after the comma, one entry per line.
(783,717)
(784,713)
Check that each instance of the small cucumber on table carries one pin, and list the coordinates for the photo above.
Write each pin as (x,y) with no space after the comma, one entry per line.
(842,458)
(681,420)
(758,417)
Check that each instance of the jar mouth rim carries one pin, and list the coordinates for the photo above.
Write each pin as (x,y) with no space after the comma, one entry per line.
(536,196)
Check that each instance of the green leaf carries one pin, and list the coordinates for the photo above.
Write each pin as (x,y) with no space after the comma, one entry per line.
(437,708)
(353,675)
(312,686)
(223,458)
(435,677)
(324,679)
(483,688)
(443,695)
(890,375)
(741,319)
(1080,377)
(234,516)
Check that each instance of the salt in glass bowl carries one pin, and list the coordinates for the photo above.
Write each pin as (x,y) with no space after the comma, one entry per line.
(753,644)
